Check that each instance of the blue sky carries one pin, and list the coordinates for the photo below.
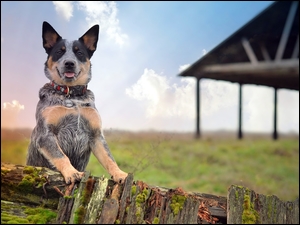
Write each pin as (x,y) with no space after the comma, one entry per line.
(141,50)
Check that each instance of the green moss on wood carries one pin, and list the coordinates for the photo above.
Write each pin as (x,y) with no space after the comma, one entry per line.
(69,196)
(7,218)
(79,215)
(80,212)
(155,220)
(33,216)
(139,200)
(31,179)
(133,190)
(40,215)
(250,215)
(87,192)
(29,170)
(177,203)
(138,214)
(141,197)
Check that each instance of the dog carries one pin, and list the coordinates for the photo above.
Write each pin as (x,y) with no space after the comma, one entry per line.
(68,125)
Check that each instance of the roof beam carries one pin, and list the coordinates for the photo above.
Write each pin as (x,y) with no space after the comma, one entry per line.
(286,30)
(282,67)
(249,51)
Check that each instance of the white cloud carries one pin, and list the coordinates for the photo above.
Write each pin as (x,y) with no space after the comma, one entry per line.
(183,67)
(161,98)
(10,114)
(174,102)
(64,9)
(15,105)
(217,95)
(204,52)
(104,13)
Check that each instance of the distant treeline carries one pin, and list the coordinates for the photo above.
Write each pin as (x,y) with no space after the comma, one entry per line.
(15,134)
(25,133)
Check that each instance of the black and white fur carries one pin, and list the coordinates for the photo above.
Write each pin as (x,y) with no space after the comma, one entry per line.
(68,125)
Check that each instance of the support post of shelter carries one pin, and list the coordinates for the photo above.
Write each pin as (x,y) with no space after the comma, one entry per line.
(198,108)
(275,135)
(240,134)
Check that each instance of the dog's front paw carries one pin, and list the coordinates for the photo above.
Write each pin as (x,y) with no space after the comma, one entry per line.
(119,176)
(71,176)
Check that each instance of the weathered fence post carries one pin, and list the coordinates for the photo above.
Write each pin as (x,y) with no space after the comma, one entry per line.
(244,206)
(99,200)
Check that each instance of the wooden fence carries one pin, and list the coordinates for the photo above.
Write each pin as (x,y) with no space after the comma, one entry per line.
(34,195)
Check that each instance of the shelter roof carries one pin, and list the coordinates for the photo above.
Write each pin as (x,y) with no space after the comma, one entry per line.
(265,51)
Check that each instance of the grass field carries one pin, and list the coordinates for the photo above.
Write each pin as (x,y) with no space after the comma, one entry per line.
(209,165)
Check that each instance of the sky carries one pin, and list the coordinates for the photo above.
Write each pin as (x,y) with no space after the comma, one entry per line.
(142,48)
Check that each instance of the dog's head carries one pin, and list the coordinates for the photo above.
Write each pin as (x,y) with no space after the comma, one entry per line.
(68,62)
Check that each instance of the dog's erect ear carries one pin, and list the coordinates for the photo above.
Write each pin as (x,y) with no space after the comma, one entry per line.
(90,39)
(50,37)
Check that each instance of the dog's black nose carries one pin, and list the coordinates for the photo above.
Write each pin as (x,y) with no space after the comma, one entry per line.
(69,64)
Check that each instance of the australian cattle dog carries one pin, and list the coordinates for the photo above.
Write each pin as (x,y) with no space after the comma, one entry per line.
(68,125)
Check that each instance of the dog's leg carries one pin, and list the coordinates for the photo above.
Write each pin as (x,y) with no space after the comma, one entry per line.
(49,148)
(104,156)
(47,142)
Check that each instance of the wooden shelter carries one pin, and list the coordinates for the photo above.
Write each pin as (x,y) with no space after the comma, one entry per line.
(265,51)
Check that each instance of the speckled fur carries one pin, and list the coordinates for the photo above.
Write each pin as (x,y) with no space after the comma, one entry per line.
(68,126)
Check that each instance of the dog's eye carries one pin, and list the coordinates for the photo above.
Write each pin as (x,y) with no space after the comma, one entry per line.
(79,53)
(59,52)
